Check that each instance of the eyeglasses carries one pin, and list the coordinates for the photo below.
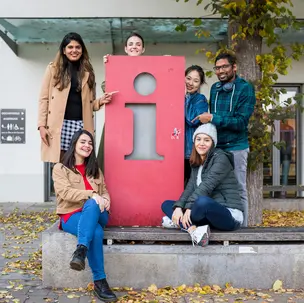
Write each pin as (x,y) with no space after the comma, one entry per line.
(224,67)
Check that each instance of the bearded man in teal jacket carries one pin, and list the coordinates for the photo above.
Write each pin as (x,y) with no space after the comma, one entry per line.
(232,102)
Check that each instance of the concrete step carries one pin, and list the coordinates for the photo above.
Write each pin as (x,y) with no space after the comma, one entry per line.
(138,266)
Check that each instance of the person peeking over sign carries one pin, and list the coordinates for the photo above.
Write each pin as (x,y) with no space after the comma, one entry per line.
(134,46)
(83,203)
(212,194)
(67,99)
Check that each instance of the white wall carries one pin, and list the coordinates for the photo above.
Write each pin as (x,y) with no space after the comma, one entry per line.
(21,171)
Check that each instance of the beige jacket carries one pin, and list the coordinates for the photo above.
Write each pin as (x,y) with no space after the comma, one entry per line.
(52,104)
(70,189)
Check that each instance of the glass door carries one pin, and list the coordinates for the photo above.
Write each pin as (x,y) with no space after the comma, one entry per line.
(282,169)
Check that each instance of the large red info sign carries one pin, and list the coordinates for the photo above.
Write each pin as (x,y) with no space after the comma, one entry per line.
(144,137)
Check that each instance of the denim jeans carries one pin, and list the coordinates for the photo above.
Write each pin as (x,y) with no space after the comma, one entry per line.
(88,226)
(206,211)
(240,171)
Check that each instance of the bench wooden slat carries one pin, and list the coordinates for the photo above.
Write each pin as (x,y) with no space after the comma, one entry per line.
(169,235)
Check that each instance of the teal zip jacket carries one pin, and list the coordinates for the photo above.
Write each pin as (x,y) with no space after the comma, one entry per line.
(195,104)
(231,113)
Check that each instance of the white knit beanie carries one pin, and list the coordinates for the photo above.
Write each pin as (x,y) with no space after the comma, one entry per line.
(208,129)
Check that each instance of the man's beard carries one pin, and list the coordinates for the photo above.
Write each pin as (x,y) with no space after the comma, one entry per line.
(228,79)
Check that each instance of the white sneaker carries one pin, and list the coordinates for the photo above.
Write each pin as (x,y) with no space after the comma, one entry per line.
(168,223)
(200,236)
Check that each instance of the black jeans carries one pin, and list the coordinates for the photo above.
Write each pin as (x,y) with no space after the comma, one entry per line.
(206,211)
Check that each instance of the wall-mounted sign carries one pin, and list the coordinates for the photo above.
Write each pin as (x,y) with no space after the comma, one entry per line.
(12,126)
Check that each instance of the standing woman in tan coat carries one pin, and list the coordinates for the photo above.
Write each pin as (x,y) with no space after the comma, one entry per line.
(67,99)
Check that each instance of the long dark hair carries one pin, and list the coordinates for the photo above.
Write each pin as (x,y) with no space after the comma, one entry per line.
(61,62)
(91,164)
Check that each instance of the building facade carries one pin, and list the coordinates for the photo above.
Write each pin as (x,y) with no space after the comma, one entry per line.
(30,34)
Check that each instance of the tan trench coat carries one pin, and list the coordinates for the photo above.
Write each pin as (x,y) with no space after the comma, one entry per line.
(52,104)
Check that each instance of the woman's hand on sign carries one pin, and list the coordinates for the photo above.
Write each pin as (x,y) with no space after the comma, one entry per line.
(107,97)
(177,215)
(186,219)
(45,135)
(106,58)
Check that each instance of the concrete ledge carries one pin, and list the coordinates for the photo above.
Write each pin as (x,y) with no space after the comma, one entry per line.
(284,204)
(249,266)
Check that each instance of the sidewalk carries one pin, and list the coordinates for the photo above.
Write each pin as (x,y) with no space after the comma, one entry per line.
(20,269)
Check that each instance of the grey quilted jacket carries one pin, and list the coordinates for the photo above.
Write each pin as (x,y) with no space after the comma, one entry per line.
(218,182)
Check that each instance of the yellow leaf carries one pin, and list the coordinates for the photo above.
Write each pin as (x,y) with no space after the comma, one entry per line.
(181,287)
(72,296)
(19,287)
(90,286)
(152,288)
(216,287)
(208,54)
(277,285)
(234,36)
(227,285)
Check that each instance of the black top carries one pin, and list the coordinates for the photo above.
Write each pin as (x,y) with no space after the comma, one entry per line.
(73,110)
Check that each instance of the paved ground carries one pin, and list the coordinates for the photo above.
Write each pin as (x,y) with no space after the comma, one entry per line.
(21,225)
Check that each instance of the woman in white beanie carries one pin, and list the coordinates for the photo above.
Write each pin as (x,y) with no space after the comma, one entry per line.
(211,197)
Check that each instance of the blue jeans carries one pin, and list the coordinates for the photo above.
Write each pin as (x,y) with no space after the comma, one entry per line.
(206,211)
(87,226)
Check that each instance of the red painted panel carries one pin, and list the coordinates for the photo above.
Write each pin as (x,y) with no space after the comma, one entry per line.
(138,187)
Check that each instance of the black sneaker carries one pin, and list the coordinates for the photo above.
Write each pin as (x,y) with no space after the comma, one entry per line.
(78,259)
(103,291)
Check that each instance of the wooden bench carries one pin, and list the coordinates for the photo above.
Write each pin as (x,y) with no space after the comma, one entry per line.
(249,234)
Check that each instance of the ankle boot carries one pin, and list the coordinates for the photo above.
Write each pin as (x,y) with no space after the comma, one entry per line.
(103,292)
(78,259)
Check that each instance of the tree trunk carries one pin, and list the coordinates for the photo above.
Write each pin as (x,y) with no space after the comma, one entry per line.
(247,68)
(255,195)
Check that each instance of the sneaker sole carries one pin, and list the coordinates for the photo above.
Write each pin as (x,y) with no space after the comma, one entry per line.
(170,227)
(205,240)
(76,266)
(104,300)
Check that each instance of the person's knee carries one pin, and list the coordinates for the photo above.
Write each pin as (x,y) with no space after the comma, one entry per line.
(200,207)
(203,202)
(91,203)
(167,204)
